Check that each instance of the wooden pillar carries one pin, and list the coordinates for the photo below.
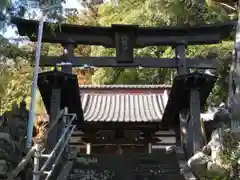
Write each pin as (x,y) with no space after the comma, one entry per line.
(234,88)
(178,134)
(149,148)
(184,116)
(185,129)
(180,56)
(64,122)
(88,148)
(55,109)
(68,57)
(148,137)
(195,110)
(90,135)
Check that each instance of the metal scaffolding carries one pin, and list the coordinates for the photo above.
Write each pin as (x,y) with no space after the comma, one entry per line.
(53,157)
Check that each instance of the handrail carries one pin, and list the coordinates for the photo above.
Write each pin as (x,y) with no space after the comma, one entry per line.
(60,153)
(61,140)
(37,152)
(22,164)
(57,145)
(54,123)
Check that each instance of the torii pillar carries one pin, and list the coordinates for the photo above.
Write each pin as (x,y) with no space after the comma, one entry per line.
(192,128)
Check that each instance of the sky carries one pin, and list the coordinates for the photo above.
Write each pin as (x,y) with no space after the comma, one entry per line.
(10,33)
(72,4)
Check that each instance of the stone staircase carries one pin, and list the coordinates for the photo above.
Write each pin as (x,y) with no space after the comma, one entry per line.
(162,165)
(87,166)
(186,171)
(183,165)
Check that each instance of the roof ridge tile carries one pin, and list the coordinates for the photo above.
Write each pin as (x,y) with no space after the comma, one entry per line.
(145,86)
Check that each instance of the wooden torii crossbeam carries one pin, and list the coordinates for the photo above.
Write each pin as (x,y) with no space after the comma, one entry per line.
(125,38)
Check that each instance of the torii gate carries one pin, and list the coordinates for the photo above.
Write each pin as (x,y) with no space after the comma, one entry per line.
(125,38)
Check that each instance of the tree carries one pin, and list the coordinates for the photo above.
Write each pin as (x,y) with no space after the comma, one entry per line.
(15,84)
(162,13)
(89,16)
(12,55)
(223,54)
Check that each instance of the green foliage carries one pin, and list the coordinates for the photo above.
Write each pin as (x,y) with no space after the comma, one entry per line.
(13,52)
(5,4)
(164,13)
(16,73)
(160,12)
(16,84)
(222,53)
(231,154)
(220,178)
(11,88)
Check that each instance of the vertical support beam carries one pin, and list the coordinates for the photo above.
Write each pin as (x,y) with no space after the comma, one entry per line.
(178,135)
(180,56)
(190,138)
(63,123)
(68,55)
(235,68)
(149,148)
(148,145)
(36,163)
(65,118)
(184,116)
(88,148)
(185,128)
(234,89)
(55,109)
(195,110)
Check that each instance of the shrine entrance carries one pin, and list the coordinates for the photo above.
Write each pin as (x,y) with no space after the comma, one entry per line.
(104,120)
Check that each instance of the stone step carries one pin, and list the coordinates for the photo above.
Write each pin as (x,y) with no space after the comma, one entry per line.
(186,171)
(67,168)
(163,166)
(183,164)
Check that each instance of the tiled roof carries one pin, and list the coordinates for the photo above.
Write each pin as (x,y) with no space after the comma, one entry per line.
(165,86)
(124,107)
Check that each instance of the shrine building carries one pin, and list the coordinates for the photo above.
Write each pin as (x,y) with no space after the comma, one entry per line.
(123,116)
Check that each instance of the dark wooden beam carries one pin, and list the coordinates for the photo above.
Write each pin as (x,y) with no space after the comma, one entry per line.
(172,40)
(91,39)
(54,100)
(148,62)
(155,136)
(141,42)
(196,130)
(154,126)
(158,134)
(118,141)
(113,142)
(144,36)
